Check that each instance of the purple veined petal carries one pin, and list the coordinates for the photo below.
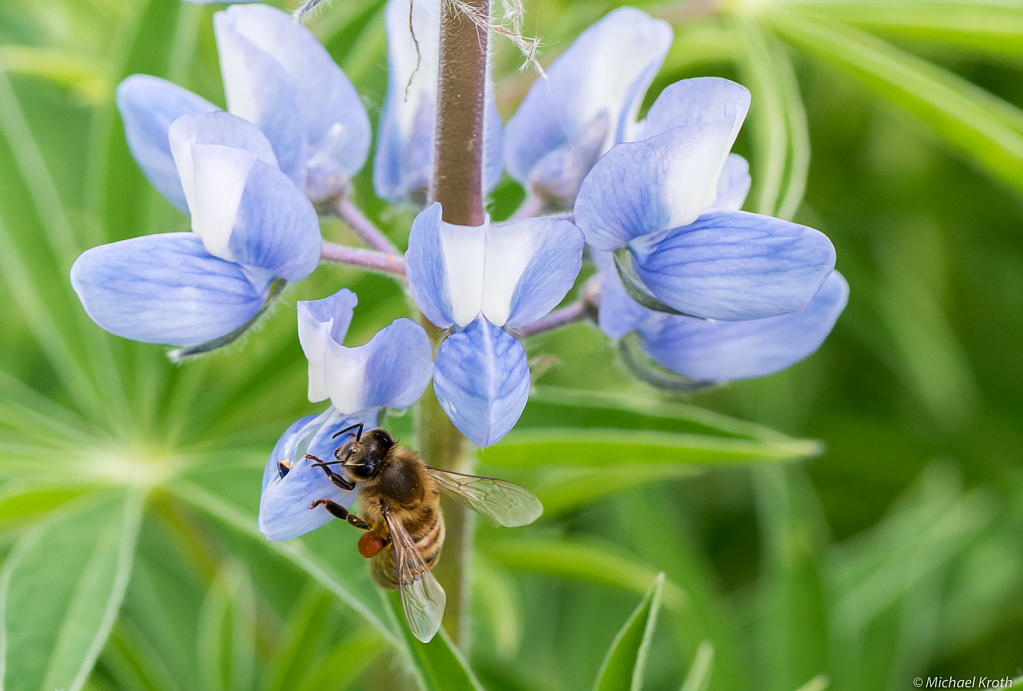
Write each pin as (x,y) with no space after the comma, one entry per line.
(734,265)
(733,185)
(260,90)
(166,289)
(284,511)
(391,371)
(662,182)
(404,157)
(722,351)
(243,207)
(445,266)
(148,106)
(605,72)
(481,379)
(335,123)
(321,321)
(695,102)
(530,266)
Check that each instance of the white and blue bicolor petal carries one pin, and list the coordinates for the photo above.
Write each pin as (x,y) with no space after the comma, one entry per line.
(403,164)
(695,102)
(278,76)
(481,380)
(733,265)
(166,289)
(587,102)
(290,481)
(512,273)
(722,351)
(662,182)
(391,371)
(148,106)
(243,207)
(733,185)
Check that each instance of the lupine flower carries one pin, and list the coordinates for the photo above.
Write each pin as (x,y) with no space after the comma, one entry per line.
(403,165)
(252,228)
(391,371)
(655,202)
(278,77)
(587,103)
(480,281)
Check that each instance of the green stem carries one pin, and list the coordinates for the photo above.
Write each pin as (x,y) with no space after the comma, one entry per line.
(443,446)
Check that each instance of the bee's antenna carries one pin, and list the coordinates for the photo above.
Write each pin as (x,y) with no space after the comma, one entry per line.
(358,435)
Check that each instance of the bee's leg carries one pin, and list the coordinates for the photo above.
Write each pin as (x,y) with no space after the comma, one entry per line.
(341,512)
(338,480)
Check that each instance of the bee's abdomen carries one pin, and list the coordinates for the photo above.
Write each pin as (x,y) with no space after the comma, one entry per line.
(428,540)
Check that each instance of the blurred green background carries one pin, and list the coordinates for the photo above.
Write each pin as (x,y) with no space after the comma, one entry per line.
(893,549)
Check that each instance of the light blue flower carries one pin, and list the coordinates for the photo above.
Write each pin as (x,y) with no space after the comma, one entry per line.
(278,77)
(403,165)
(480,281)
(391,371)
(669,201)
(251,226)
(587,103)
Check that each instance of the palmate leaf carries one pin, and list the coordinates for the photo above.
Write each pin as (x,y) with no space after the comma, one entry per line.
(60,591)
(981,127)
(623,667)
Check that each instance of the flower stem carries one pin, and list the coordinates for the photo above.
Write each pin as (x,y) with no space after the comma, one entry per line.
(363,227)
(442,446)
(583,308)
(393,264)
(458,185)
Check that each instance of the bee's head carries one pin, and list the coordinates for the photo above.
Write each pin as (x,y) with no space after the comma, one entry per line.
(361,458)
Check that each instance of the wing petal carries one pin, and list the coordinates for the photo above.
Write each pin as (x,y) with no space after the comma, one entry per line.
(499,502)
(422,597)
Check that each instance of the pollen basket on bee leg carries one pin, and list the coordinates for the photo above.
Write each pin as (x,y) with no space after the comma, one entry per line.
(370,545)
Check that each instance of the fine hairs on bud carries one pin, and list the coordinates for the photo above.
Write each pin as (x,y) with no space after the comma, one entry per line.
(306,10)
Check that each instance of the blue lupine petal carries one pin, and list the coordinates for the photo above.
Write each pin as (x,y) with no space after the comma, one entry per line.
(481,379)
(148,106)
(260,90)
(392,370)
(733,185)
(243,207)
(604,73)
(697,101)
(165,289)
(336,127)
(425,269)
(284,511)
(721,351)
(618,314)
(404,158)
(662,182)
(733,265)
(531,265)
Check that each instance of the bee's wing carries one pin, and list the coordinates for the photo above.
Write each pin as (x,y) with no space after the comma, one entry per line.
(498,501)
(422,597)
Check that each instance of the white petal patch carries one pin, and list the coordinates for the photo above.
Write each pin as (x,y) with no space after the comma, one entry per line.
(219,174)
(413,57)
(313,335)
(345,378)
(509,250)
(465,250)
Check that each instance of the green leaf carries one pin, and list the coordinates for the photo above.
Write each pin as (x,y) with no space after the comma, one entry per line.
(586,560)
(983,128)
(22,503)
(565,488)
(60,590)
(604,447)
(987,27)
(623,667)
(700,671)
(344,575)
(438,665)
(782,142)
(227,630)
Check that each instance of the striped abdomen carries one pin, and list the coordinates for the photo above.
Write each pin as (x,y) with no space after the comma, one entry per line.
(428,534)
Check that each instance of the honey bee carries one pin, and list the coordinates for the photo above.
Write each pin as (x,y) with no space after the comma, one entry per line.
(399,503)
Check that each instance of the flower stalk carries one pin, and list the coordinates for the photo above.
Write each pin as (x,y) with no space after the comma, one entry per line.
(390,263)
